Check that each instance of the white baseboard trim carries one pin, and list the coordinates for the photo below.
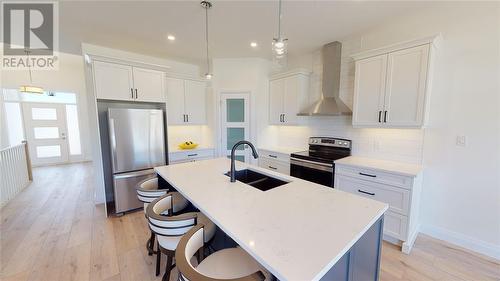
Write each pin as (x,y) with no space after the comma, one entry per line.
(467,242)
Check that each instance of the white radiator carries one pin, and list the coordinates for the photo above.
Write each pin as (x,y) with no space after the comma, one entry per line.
(15,171)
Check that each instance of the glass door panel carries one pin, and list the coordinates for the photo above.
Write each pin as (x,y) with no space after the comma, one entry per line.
(235,124)
(45,126)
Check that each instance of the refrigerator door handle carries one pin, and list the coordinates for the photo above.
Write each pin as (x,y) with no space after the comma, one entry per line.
(135,174)
(112,139)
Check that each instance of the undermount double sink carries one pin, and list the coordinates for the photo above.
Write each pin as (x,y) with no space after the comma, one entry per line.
(257,180)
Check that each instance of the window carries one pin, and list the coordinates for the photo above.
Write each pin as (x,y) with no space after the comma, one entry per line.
(14,122)
(75,147)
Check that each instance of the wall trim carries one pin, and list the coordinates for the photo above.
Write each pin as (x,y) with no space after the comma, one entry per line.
(464,241)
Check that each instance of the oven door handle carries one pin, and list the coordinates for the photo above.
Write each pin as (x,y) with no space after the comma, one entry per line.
(311,164)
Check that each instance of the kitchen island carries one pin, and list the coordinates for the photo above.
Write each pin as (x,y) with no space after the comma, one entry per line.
(297,231)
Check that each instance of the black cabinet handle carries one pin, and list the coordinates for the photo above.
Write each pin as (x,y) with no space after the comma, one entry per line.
(191,155)
(283,118)
(273,156)
(274,168)
(187,117)
(183,117)
(385,116)
(366,192)
(136,93)
(379,116)
(132,92)
(368,175)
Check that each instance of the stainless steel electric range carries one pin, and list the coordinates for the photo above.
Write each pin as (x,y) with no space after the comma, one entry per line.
(317,163)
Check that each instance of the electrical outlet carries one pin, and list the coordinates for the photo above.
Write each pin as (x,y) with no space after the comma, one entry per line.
(461,141)
(376,145)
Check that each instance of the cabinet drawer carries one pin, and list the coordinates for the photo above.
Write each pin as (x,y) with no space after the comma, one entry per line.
(186,156)
(396,225)
(397,198)
(264,153)
(273,165)
(375,176)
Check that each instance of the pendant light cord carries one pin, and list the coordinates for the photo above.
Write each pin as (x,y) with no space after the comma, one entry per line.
(29,65)
(279,19)
(207,6)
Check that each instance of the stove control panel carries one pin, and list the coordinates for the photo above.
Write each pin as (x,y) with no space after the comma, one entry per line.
(330,142)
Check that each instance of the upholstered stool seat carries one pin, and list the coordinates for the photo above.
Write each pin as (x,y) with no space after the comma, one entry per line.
(170,229)
(226,264)
(170,242)
(147,191)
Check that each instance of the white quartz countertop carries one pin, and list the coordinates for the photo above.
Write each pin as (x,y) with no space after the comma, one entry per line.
(387,166)
(177,149)
(284,150)
(297,231)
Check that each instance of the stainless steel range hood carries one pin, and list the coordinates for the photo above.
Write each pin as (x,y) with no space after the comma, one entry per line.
(330,103)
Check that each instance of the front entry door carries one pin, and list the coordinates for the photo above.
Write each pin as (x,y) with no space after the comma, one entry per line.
(46,133)
(235,125)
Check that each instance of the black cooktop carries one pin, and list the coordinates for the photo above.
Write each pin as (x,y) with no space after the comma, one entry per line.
(325,150)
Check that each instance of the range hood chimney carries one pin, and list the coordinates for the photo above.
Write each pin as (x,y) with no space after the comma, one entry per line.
(330,103)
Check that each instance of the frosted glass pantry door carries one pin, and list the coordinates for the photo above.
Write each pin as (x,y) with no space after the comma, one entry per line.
(46,133)
(235,124)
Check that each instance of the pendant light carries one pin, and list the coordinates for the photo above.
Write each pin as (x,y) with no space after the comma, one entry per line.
(279,45)
(207,5)
(30,88)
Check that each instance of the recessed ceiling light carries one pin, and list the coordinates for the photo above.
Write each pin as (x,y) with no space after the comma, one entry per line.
(171,37)
(253,44)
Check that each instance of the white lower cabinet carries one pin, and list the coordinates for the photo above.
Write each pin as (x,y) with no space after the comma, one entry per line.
(400,192)
(184,156)
(274,161)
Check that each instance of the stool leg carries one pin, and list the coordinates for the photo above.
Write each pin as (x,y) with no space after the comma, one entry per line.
(158,259)
(168,268)
(151,243)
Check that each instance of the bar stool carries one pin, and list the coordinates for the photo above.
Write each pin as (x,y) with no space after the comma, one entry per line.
(147,191)
(228,264)
(170,229)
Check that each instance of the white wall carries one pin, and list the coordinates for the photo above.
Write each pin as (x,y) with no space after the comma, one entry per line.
(461,194)
(68,78)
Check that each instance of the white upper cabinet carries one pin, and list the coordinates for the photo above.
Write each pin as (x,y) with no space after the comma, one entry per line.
(195,102)
(406,86)
(124,82)
(175,101)
(186,102)
(149,85)
(113,81)
(288,93)
(276,94)
(370,91)
(392,85)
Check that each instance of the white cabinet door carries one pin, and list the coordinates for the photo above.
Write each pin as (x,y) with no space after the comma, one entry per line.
(113,81)
(406,86)
(291,99)
(149,85)
(175,101)
(276,94)
(369,91)
(195,102)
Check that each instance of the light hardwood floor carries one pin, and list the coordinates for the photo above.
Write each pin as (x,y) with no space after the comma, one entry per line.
(53,231)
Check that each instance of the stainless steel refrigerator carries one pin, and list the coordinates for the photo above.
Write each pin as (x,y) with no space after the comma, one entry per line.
(137,141)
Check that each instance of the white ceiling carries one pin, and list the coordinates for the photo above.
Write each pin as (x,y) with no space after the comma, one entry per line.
(142,26)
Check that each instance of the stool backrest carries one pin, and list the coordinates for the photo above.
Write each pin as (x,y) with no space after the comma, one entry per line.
(189,244)
(147,191)
(161,221)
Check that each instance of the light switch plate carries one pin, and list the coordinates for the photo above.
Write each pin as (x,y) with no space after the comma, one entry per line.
(461,141)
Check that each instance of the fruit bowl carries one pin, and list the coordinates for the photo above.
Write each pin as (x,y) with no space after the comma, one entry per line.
(188,145)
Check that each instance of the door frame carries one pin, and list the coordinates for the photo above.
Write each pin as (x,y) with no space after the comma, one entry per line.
(223,94)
